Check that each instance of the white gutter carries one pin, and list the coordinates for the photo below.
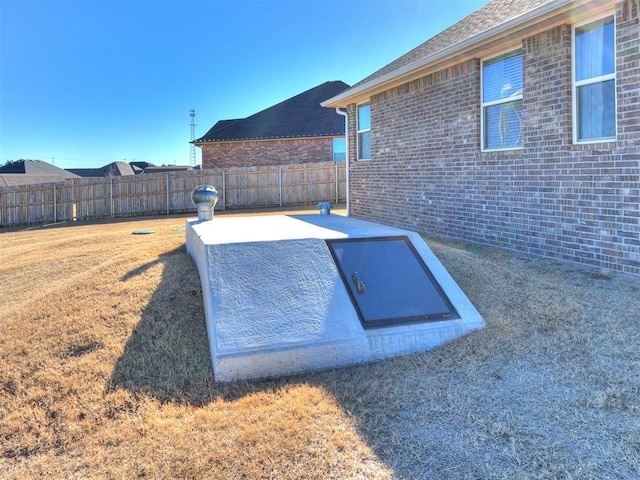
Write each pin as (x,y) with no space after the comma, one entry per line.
(346,147)
(552,7)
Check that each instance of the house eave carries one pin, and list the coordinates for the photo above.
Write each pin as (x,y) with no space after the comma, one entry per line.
(199,143)
(539,19)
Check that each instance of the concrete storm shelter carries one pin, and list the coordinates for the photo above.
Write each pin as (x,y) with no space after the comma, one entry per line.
(287,294)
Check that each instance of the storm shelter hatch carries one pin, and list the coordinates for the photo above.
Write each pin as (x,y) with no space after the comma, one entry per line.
(388,281)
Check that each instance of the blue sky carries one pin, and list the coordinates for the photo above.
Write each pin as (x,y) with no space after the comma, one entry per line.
(87,82)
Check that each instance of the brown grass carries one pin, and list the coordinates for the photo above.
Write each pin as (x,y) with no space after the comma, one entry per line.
(105,373)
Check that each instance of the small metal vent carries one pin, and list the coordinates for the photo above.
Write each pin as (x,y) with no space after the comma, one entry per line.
(389,282)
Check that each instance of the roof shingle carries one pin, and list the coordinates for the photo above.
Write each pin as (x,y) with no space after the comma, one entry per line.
(114,169)
(35,167)
(491,15)
(297,117)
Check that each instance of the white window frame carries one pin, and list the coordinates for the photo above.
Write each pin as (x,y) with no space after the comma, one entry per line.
(364,130)
(593,80)
(483,104)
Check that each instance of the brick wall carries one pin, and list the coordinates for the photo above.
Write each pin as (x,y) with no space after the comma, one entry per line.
(577,203)
(267,152)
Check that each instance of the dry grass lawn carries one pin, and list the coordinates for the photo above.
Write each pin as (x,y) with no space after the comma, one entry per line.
(105,373)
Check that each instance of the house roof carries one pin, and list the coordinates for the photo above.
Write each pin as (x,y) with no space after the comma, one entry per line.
(114,169)
(472,36)
(36,167)
(87,172)
(14,179)
(118,169)
(141,165)
(220,124)
(299,116)
(167,168)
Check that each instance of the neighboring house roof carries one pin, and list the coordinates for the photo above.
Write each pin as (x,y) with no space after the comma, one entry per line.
(118,169)
(220,124)
(497,20)
(29,172)
(35,167)
(87,172)
(114,169)
(167,168)
(298,117)
(13,179)
(141,165)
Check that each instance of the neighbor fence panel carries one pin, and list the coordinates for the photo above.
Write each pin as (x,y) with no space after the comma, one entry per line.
(300,185)
(179,187)
(247,187)
(92,198)
(170,192)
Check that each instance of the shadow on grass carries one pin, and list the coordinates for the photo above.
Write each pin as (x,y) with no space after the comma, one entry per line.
(398,412)
(167,355)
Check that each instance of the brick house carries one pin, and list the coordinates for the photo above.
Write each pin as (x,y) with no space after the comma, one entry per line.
(297,130)
(517,127)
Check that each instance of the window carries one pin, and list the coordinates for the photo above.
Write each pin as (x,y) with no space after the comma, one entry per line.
(339,149)
(594,82)
(502,102)
(364,132)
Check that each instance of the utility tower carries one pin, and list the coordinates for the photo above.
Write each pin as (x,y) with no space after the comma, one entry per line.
(192,151)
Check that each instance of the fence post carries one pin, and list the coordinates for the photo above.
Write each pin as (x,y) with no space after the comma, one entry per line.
(167,177)
(55,205)
(111,196)
(335,164)
(280,185)
(224,191)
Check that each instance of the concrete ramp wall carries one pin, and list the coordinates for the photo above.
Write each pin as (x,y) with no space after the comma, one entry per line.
(275,303)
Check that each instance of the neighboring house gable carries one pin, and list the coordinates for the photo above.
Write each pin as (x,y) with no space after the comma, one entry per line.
(503,130)
(297,130)
(140,166)
(118,169)
(114,169)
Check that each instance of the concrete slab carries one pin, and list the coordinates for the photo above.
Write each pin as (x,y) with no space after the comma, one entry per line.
(275,303)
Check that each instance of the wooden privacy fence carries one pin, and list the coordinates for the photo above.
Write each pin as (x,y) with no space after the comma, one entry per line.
(166,193)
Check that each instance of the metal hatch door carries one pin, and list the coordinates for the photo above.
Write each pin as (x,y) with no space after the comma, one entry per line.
(389,282)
